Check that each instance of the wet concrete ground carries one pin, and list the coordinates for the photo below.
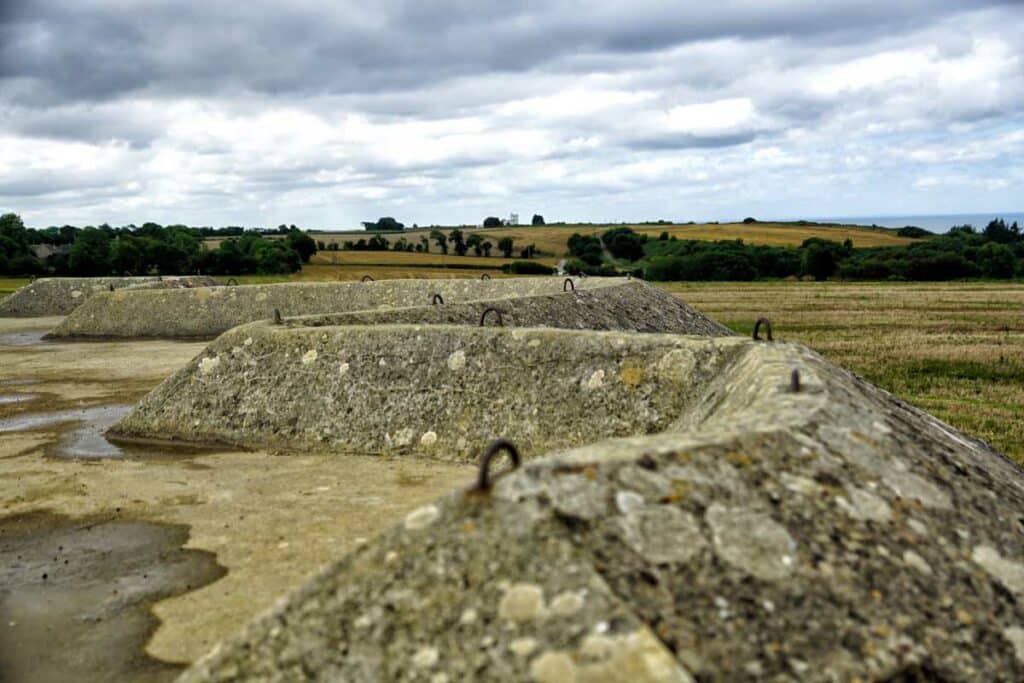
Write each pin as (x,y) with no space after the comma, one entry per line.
(195,542)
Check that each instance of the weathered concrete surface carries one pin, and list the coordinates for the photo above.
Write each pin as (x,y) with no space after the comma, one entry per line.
(625,305)
(834,534)
(62,295)
(432,390)
(209,312)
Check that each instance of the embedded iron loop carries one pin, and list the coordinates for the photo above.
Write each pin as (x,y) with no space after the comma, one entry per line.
(568,284)
(232,282)
(767,329)
(438,299)
(367,278)
(485,276)
(483,317)
(277,316)
(483,482)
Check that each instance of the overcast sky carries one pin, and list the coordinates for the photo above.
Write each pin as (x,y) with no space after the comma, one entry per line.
(327,113)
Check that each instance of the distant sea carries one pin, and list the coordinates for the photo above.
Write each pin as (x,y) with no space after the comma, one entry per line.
(935,223)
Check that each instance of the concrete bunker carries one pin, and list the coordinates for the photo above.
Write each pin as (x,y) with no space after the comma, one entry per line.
(62,295)
(209,312)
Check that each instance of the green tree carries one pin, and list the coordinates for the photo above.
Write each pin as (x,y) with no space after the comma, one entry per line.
(475,241)
(537,219)
(492,222)
(818,261)
(506,245)
(997,260)
(458,239)
(441,239)
(90,254)
(486,246)
(302,243)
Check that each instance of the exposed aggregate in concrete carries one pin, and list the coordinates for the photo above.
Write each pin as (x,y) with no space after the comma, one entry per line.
(432,390)
(62,295)
(209,312)
(834,534)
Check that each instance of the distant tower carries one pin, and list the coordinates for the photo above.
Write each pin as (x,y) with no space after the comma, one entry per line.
(513,219)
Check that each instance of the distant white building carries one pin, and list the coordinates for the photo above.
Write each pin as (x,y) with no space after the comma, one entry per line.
(513,219)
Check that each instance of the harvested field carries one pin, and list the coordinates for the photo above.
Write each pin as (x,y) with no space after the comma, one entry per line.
(955,349)
(551,239)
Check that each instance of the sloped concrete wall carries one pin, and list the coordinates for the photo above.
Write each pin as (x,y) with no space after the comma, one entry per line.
(207,313)
(62,295)
(834,534)
(427,389)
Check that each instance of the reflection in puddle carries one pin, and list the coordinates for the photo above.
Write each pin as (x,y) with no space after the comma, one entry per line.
(8,399)
(85,441)
(26,338)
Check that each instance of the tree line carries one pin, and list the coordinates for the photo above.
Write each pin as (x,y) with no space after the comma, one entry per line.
(389,224)
(147,249)
(455,240)
(997,252)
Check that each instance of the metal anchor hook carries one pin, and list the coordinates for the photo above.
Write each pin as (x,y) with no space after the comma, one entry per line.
(767,329)
(483,317)
(483,481)
(366,278)
(568,284)
(438,299)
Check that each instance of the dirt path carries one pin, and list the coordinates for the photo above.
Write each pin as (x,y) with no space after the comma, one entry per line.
(265,522)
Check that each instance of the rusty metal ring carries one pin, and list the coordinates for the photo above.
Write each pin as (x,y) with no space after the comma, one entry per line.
(367,278)
(794,381)
(767,329)
(483,481)
(485,276)
(232,282)
(483,317)
(568,283)
(438,299)
(277,316)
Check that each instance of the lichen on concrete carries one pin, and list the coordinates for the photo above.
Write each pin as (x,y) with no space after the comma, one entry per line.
(62,295)
(597,303)
(428,390)
(833,534)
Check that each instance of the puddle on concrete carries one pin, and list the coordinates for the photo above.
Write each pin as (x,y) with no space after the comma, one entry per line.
(75,595)
(8,399)
(83,436)
(24,338)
